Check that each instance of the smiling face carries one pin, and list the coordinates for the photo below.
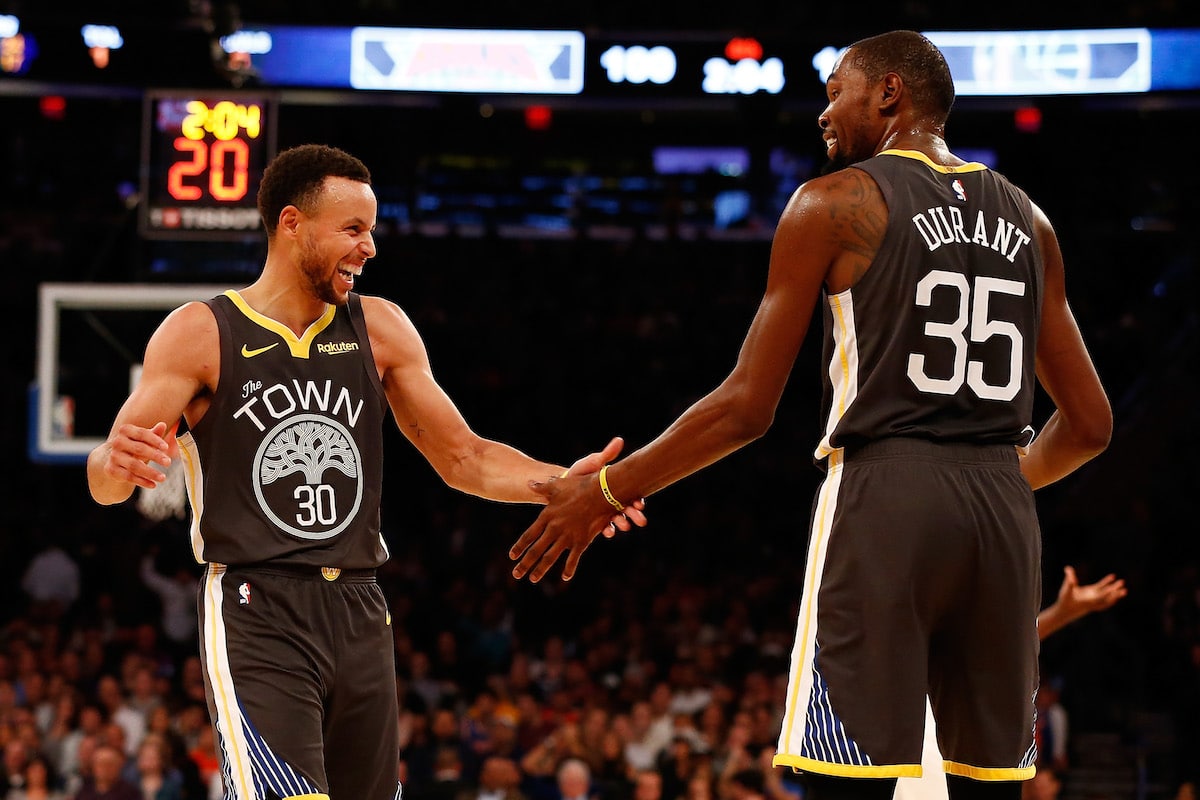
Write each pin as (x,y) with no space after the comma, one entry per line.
(336,239)
(850,123)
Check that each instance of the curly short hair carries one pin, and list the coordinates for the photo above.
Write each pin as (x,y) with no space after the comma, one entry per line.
(918,62)
(295,178)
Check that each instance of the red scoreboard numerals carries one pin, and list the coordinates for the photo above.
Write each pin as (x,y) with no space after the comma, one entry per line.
(226,159)
(187,169)
(228,178)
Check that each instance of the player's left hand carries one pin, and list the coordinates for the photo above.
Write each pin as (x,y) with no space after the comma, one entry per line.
(590,465)
(575,514)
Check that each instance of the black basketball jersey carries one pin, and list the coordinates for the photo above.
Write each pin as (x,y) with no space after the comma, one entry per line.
(286,465)
(937,339)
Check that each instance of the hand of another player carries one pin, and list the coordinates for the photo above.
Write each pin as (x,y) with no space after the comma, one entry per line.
(590,465)
(133,450)
(575,514)
(1077,601)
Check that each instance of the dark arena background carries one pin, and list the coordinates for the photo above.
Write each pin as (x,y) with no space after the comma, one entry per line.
(576,205)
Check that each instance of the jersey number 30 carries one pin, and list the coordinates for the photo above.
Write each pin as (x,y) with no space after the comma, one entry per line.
(974,322)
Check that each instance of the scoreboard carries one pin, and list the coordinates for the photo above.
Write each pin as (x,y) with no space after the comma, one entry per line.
(203,156)
(701,67)
(522,62)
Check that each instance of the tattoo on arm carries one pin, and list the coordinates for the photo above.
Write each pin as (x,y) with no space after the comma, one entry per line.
(858,224)
(417,430)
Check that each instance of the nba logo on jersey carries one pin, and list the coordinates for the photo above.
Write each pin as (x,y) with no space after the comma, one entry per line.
(244,593)
(959,190)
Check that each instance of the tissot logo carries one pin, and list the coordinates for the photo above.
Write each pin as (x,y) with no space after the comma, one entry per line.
(333,348)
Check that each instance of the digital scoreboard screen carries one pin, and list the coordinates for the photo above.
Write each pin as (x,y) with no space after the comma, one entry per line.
(203,157)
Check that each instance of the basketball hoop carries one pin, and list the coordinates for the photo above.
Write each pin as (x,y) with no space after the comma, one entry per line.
(168,499)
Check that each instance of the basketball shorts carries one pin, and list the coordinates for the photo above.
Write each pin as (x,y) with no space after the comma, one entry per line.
(301,683)
(923,577)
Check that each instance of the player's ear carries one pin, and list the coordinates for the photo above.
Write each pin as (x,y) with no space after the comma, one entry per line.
(891,90)
(289,220)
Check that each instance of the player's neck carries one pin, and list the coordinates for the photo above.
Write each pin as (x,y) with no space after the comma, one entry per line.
(923,141)
(284,301)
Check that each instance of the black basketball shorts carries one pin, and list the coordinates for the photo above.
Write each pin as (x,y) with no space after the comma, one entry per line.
(923,578)
(301,682)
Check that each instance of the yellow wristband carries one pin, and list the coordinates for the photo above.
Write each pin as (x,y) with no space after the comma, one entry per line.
(608,495)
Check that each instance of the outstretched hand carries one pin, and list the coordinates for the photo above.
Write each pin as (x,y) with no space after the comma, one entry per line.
(575,514)
(1079,600)
(1075,601)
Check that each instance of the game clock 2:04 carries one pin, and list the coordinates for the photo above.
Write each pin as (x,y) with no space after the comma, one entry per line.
(204,156)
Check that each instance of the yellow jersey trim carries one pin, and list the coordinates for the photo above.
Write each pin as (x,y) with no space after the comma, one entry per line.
(989,773)
(307,797)
(847,770)
(970,166)
(299,345)
(820,529)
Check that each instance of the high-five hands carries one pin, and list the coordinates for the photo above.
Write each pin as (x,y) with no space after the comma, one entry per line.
(576,513)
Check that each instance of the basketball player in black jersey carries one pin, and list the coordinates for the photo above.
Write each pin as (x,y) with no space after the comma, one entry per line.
(284,386)
(943,297)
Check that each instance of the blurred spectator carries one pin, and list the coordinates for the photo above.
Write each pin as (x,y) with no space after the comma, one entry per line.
(106,781)
(574,780)
(12,768)
(130,721)
(203,754)
(448,780)
(152,772)
(144,696)
(51,584)
(699,787)
(745,784)
(646,741)
(40,782)
(476,730)
(162,726)
(499,779)
(689,695)
(177,596)
(542,764)
(422,681)
(648,785)
(678,763)
(78,745)
(1050,726)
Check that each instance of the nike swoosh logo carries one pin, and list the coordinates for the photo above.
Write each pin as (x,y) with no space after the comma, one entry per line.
(248,353)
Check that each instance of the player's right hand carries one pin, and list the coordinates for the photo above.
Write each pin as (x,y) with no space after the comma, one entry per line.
(133,450)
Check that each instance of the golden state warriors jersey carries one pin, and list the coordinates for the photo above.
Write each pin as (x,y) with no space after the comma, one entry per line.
(286,465)
(937,339)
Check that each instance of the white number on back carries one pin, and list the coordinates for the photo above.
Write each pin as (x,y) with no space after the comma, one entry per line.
(972,319)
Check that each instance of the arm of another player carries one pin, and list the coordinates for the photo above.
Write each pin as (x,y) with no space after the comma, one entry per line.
(1075,601)
(1081,425)
(430,420)
(181,361)
(736,412)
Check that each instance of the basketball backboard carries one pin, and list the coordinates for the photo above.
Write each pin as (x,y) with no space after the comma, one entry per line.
(89,351)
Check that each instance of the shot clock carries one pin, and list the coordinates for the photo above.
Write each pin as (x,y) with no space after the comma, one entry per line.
(203,156)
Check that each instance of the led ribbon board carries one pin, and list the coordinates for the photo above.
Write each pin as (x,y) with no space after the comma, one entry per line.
(1047,62)
(440,60)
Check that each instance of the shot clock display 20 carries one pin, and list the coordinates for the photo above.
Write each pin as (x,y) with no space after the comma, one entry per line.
(203,156)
